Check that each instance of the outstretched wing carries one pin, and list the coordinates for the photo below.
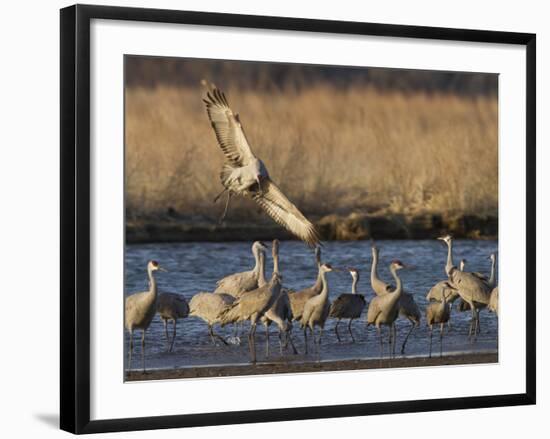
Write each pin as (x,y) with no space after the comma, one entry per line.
(227,127)
(279,207)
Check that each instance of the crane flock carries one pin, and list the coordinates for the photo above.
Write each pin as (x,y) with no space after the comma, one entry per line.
(248,296)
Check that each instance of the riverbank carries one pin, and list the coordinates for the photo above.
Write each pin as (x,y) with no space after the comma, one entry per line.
(312,366)
(355,226)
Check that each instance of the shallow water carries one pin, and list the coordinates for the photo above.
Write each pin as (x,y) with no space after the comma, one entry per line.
(195,267)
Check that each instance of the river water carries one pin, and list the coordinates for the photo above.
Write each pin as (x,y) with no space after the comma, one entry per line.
(195,267)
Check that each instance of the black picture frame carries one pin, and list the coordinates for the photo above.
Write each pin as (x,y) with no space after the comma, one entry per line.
(75,217)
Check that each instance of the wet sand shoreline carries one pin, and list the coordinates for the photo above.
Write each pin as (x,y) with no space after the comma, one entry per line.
(262,368)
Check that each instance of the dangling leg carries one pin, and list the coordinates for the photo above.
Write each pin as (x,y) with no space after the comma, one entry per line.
(407,337)
(226,208)
(336,331)
(478,324)
(217,197)
(441,340)
(173,335)
(349,329)
(320,336)
(143,350)
(431,334)
(166,332)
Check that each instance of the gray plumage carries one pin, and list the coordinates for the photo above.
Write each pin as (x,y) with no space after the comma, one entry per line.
(251,306)
(348,305)
(238,283)
(139,310)
(442,287)
(299,298)
(209,307)
(493,301)
(317,308)
(280,312)
(384,309)
(439,313)
(171,307)
(490,281)
(407,306)
(243,174)
(473,291)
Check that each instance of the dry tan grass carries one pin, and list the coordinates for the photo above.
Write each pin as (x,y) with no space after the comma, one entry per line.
(331,150)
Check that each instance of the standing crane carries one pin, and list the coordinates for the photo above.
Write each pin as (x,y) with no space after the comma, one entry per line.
(348,306)
(384,309)
(243,174)
(473,291)
(171,307)
(299,298)
(439,313)
(239,283)
(407,305)
(280,312)
(139,310)
(490,282)
(252,305)
(317,308)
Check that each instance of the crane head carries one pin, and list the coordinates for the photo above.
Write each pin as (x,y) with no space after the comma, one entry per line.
(396,264)
(446,239)
(259,246)
(155,266)
(327,268)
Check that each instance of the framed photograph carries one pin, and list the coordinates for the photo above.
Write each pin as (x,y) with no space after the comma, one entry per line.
(274,206)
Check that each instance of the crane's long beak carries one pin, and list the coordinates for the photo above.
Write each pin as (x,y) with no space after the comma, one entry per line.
(163,269)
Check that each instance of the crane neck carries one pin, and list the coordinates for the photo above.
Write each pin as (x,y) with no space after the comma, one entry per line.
(492,279)
(319,282)
(398,285)
(152,282)
(260,271)
(374,267)
(275,260)
(354,283)
(449,264)
(324,291)
(257,260)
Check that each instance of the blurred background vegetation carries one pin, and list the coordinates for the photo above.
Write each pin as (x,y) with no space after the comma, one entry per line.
(338,140)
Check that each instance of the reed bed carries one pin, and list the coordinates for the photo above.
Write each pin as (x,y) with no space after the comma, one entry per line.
(332,150)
